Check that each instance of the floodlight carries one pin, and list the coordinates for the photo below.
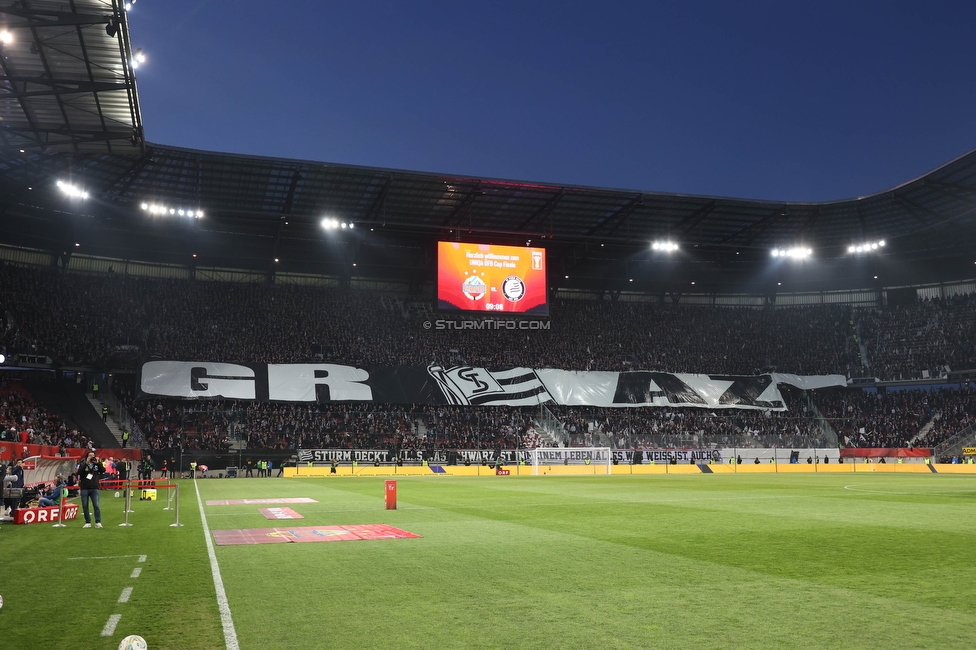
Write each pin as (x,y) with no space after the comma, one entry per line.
(6,37)
(144,206)
(866,247)
(72,191)
(139,56)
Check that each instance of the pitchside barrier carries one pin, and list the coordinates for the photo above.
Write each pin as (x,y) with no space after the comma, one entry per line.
(143,486)
(67,511)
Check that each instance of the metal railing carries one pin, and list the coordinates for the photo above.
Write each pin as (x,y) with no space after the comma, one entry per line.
(953,446)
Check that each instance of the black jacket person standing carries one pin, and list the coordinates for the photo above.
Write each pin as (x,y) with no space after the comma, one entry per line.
(90,471)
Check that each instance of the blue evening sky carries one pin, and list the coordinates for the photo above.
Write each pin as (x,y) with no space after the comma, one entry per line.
(780,100)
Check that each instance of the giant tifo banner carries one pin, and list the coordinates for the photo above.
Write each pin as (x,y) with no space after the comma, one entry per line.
(466,385)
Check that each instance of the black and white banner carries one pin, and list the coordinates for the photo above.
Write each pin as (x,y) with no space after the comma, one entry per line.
(547,456)
(465,385)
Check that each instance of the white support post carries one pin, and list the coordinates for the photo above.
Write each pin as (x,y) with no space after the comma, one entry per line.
(177,508)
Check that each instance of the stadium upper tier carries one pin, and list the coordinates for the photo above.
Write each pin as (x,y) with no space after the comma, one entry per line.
(112,321)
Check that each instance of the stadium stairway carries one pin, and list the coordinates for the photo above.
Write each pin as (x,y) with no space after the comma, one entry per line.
(924,431)
(69,402)
(110,423)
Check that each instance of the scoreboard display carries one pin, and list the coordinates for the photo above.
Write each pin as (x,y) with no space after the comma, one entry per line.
(490,278)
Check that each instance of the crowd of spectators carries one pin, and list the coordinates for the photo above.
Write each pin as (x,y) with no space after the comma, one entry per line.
(120,320)
(957,413)
(664,428)
(892,418)
(25,421)
(114,319)
(931,336)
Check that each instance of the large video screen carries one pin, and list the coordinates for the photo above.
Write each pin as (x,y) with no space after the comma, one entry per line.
(489,278)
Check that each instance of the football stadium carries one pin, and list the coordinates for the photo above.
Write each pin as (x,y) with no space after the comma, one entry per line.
(515,414)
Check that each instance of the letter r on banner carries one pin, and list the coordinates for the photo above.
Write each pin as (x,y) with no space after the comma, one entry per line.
(297,382)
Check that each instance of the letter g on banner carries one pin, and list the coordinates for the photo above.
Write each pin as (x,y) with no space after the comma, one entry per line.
(198,379)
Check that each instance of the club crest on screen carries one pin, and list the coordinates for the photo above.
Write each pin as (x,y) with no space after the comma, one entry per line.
(474,288)
(513,288)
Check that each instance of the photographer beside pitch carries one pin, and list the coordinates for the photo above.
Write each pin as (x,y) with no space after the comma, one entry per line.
(90,471)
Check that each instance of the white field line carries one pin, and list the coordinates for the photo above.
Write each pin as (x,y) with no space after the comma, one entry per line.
(230,634)
(109,628)
(136,571)
(107,557)
(142,558)
(124,598)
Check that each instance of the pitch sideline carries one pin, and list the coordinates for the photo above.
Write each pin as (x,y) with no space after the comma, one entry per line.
(230,634)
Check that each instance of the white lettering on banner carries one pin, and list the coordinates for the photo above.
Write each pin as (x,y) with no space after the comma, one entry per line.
(47,514)
(296,382)
(469,385)
(198,379)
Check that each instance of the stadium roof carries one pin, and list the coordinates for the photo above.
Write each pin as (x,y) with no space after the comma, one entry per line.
(258,209)
(66,80)
(70,113)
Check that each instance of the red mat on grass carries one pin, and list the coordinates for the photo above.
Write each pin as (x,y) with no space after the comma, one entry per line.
(280,513)
(308,534)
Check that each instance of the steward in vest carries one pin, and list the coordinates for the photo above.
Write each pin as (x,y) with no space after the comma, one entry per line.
(125,438)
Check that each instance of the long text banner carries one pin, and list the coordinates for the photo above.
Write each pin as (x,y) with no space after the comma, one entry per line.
(465,385)
(548,455)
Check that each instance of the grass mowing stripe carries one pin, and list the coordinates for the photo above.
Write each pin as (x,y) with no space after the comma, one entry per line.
(230,634)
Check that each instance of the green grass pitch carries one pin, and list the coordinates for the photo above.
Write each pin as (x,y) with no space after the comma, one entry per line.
(722,561)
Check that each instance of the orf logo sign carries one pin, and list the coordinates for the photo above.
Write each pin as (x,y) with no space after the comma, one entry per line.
(44,515)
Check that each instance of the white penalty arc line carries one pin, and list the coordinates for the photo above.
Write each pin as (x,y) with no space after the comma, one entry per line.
(230,634)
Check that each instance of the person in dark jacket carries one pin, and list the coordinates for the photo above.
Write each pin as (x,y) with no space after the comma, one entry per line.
(14,485)
(90,472)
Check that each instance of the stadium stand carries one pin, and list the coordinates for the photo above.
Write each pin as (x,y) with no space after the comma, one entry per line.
(64,316)
(24,421)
